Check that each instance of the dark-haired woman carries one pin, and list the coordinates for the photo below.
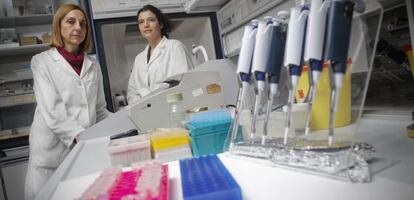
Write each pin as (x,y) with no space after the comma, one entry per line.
(161,58)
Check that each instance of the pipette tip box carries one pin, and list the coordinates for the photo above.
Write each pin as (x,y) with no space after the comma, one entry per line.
(209,130)
(168,145)
(147,181)
(128,150)
(206,178)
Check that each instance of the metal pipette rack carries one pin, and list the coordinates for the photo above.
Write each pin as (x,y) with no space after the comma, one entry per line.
(345,155)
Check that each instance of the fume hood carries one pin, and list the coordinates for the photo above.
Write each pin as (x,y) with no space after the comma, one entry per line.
(118,40)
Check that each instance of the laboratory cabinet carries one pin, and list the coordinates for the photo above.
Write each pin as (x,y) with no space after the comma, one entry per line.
(25,28)
(13,173)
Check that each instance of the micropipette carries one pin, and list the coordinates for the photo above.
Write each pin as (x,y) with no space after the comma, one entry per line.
(261,54)
(314,50)
(243,69)
(275,62)
(294,54)
(338,37)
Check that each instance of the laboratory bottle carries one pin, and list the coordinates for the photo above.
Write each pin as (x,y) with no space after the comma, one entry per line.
(177,111)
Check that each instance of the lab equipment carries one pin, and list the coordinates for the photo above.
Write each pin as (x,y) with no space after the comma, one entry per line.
(260,63)
(170,144)
(198,88)
(101,187)
(128,150)
(275,62)
(208,131)
(294,54)
(338,37)
(197,48)
(129,133)
(410,57)
(243,69)
(177,112)
(344,159)
(341,161)
(152,183)
(315,41)
(146,181)
(206,178)
(229,79)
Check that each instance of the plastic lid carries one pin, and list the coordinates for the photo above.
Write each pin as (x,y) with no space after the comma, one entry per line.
(128,144)
(174,97)
(168,139)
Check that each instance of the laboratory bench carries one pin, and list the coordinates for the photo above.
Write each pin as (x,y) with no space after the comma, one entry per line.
(392,180)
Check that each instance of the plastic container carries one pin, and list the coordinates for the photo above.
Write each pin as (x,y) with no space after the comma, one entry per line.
(127,150)
(206,178)
(170,145)
(177,111)
(161,140)
(409,52)
(209,130)
(171,154)
(149,181)
(210,143)
(320,111)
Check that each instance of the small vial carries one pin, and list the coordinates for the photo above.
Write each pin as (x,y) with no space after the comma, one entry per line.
(177,111)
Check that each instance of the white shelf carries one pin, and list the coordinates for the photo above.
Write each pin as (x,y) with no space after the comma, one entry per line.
(22,50)
(398,28)
(16,100)
(31,20)
(13,77)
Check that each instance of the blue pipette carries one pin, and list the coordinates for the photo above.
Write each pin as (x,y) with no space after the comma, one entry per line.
(294,54)
(315,40)
(338,37)
(261,54)
(244,70)
(275,63)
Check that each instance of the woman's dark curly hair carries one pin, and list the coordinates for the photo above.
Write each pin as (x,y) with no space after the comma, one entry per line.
(163,20)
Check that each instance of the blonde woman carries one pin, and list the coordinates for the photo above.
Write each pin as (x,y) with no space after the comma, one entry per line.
(69,94)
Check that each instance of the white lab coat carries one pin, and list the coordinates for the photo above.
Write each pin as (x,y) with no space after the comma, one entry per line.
(67,104)
(170,57)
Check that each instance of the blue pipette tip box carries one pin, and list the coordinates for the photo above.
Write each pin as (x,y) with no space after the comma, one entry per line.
(206,178)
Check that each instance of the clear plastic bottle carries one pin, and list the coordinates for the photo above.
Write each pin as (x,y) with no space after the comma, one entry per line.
(177,111)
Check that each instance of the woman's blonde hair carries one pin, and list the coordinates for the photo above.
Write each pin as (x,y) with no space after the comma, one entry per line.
(57,40)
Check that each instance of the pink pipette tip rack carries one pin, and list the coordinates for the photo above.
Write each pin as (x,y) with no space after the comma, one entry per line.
(145,182)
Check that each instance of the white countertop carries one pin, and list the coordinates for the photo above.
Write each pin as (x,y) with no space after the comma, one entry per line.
(259,181)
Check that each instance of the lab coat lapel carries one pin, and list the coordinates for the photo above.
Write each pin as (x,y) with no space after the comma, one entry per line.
(87,63)
(60,60)
(157,51)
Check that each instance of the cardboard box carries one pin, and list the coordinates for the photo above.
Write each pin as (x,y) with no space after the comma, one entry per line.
(46,38)
(29,40)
